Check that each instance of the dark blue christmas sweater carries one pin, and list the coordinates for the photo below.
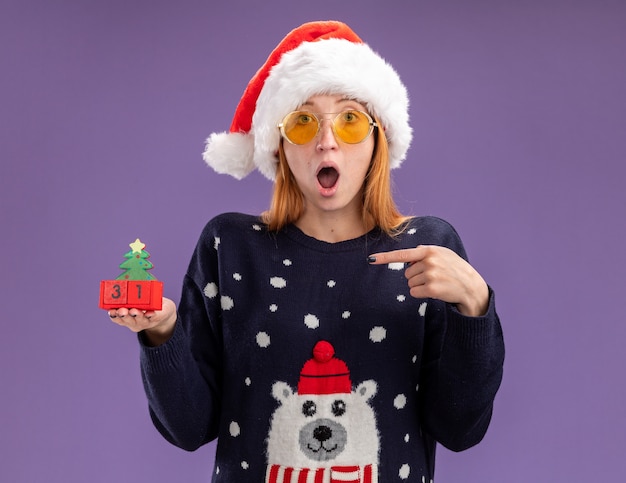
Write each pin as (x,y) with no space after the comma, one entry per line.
(309,365)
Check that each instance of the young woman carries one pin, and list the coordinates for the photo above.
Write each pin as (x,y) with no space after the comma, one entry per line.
(331,338)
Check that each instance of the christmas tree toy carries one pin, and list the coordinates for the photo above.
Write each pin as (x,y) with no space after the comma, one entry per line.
(135,288)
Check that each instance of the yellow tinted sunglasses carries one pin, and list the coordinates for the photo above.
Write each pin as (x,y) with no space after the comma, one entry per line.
(351,127)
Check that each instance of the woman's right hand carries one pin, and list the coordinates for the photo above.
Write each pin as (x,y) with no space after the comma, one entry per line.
(157,325)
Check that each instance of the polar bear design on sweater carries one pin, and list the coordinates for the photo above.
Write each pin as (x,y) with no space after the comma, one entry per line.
(325,431)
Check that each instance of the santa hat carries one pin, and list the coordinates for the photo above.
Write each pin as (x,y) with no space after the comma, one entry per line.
(315,58)
(324,374)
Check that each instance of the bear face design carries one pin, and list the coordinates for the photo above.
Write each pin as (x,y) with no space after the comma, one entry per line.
(323,430)
(325,423)
(323,438)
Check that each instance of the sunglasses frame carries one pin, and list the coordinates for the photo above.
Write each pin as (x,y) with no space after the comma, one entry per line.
(372,125)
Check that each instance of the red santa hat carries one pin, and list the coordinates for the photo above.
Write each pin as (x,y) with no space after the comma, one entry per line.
(315,58)
(324,374)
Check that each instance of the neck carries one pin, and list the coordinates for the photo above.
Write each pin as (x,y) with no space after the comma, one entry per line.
(331,228)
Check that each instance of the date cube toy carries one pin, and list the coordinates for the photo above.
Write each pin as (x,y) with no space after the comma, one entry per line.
(135,287)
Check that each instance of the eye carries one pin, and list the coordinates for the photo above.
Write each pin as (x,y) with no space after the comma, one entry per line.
(304,118)
(350,116)
(339,407)
(309,408)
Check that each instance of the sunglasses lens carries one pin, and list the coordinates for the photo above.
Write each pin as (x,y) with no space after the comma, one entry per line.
(300,127)
(353,126)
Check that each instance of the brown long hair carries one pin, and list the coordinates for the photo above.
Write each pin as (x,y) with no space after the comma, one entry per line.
(287,203)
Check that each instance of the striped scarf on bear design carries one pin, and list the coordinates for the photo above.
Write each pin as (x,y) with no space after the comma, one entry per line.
(335,474)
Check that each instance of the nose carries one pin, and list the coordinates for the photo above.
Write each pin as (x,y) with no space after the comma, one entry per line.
(327,139)
(322,433)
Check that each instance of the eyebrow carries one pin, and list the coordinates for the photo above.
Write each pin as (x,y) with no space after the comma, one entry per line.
(343,99)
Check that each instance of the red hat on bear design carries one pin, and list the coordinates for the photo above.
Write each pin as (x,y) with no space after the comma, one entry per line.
(324,374)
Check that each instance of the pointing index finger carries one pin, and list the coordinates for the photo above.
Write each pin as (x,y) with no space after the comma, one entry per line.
(407,255)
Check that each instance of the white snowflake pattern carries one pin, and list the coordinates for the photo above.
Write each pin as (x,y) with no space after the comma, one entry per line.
(346,314)
(406,438)
(226,302)
(396,266)
(210,290)
(331,283)
(378,334)
(216,242)
(400,401)
(412,231)
(422,309)
(256,227)
(263,339)
(401,298)
(278,282)
(247,381)
(237,276)
(311,321)
(245,465)
(273,308)
(287,262)
(234,429)
(405,471)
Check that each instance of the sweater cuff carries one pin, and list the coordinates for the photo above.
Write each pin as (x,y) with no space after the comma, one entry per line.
(165,357)
(473,332)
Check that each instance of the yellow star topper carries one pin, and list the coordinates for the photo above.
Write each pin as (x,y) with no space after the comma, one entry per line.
(137,246)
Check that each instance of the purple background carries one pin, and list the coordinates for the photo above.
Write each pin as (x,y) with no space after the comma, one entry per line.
(519,111)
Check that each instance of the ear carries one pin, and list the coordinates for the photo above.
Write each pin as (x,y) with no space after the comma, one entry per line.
(281,391)
(366,390)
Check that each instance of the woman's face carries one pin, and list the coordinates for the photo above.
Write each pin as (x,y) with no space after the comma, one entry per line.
(329,172)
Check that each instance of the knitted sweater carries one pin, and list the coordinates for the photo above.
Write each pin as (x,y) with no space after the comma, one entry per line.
(311,365)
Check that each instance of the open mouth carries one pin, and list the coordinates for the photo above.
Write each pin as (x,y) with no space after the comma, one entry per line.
(328,177)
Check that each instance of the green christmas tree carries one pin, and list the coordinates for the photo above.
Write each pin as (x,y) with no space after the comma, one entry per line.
(136,265)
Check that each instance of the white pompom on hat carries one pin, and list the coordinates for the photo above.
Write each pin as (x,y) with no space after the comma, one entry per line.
(315,58)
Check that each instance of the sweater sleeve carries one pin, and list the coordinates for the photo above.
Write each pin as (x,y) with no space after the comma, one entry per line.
(462,366)
(182,378)
(461,374)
